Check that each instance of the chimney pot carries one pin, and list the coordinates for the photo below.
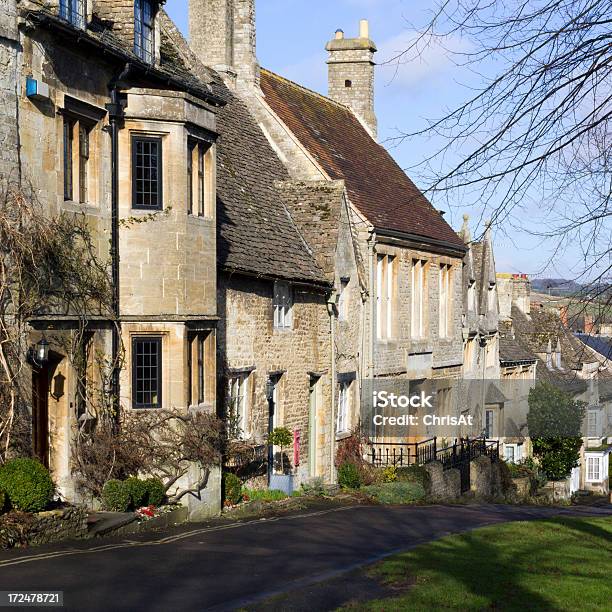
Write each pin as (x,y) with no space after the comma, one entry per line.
(364,29)
(339,34)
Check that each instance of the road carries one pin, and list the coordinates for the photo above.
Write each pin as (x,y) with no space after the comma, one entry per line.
(230,566)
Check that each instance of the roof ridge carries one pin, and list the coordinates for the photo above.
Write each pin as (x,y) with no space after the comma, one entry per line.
(310,91)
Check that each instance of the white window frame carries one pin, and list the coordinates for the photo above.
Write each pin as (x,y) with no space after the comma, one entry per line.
(489,431)
(343,409)
(516,450)
(419,295)
(445,300)
(385,286)
(592,474)
(238,401)
(283,306)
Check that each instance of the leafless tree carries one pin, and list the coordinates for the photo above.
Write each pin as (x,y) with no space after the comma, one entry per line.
(530,146)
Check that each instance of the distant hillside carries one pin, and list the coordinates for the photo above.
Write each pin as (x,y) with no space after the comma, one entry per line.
(563,287)
(556,286)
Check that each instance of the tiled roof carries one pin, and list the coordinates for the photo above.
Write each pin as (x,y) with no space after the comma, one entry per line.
(341,145)
(600,344)
(510,351)
(255,232)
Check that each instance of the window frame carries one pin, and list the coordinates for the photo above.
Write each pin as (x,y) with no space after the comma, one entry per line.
(69,11)
(418,308)
(199,177)
(489,431)
(445,301)
(144,47)
(241,382)
(592,460)
(68,153)
(385,296)
(344,406)
(158,341)
(144,138)
(282,302)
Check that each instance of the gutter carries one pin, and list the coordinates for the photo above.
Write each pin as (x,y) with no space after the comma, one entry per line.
(84,37)
(460,250)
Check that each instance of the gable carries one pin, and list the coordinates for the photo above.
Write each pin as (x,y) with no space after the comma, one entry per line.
(342,146)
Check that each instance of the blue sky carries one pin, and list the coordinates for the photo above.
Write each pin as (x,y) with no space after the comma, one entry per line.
(291,36)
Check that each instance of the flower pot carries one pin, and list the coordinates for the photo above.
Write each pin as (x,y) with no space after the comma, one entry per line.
(281,482)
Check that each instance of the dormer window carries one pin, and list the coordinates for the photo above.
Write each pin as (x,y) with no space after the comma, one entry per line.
(73,11)
(144,29)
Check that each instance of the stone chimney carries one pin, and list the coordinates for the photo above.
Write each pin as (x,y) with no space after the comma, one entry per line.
(513,290)
(222,34)
(351,73)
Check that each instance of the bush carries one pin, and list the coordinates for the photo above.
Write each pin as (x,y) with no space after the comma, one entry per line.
(155,491)
(414,473)
(137,490)
(315,487)
(348,476)
(3,501)
(264,494)
(27,484)
(232,486)
(116,496)
(396,492)
(389,474)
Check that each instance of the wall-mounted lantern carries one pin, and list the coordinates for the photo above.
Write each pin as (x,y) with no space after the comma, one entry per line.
(269,389)
(39,353)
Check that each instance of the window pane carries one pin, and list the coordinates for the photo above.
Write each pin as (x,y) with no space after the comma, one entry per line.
(68,127)
(146,365)
(146,173)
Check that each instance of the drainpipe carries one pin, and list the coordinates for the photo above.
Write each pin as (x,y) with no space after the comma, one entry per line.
(371,244)
(116,116)
(331,303)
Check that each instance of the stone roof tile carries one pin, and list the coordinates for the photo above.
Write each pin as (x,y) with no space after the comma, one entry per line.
(342,146)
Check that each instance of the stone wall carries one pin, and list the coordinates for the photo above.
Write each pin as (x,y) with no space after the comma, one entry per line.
(249,344)
(43,527)
(444,484)
(10,80)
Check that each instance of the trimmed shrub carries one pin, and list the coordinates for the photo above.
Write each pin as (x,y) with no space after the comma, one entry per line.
(155,491)
(27,484)
(137,490)
(396,492)
(348,476)
(232,487)
(116,496)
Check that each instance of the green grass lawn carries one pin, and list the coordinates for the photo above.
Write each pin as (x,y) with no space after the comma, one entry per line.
(556,564)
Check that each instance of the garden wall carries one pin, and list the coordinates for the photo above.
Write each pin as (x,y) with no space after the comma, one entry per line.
(20,528)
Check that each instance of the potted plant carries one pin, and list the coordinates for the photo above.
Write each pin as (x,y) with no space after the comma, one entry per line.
(282,438)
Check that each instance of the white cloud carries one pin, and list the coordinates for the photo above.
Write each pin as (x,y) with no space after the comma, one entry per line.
(402,62)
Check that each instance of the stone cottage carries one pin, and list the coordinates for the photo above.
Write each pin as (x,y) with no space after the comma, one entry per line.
(539,337)
(394,264)
(101,119)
